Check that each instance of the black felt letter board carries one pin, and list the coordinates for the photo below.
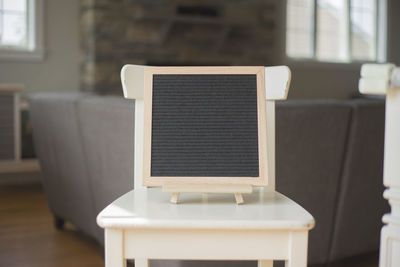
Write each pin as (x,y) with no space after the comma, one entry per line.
(204,125)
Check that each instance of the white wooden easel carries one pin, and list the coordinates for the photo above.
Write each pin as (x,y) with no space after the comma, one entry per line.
(236,190)
(143,225)
(382,84)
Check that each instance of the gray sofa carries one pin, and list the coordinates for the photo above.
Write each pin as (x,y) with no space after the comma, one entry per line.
(329,160)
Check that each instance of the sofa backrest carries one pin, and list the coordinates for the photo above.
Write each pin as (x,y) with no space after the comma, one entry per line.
(58,145)
(310,145)
(360,205)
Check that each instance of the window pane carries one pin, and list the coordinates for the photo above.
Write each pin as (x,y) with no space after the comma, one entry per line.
(14,5)
(14,30)
(13,23)
(332,30)
(363,29)
(299,32)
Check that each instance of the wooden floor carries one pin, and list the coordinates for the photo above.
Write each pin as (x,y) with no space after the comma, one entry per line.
(28,238)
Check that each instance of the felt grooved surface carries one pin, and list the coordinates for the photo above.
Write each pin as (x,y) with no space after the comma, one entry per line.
(204,125)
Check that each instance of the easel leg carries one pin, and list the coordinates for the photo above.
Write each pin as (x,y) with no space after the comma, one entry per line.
(239,198)
(174,198)
(265,263)
(114,250)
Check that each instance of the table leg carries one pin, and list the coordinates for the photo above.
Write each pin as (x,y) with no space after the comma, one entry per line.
(114,248)
(142,262)
(265,263)
(297,249)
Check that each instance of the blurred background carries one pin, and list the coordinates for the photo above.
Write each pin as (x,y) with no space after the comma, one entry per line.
(65,130)
(82,44)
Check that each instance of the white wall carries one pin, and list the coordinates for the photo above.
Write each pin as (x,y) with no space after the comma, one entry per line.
(59,70)
(340,81)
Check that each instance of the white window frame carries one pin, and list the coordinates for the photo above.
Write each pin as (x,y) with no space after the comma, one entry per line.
(312,62)
(35,50)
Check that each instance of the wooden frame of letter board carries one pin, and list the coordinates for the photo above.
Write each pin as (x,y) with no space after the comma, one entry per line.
(228,183)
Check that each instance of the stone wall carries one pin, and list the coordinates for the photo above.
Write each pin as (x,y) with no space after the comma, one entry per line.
(172,32)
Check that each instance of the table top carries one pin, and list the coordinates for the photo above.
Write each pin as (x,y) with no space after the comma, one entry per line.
(150,208)
(10,87)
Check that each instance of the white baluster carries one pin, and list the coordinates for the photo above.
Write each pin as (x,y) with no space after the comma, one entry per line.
(390,235)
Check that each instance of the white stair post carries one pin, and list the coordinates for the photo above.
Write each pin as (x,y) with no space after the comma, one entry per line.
(372,83)
(390,235)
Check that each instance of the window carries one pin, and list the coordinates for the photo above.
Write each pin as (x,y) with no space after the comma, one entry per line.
(21,29)
(333,30)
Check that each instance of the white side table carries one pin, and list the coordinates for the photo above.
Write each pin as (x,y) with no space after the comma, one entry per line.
(10,132)
(10,119)
(144,225)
